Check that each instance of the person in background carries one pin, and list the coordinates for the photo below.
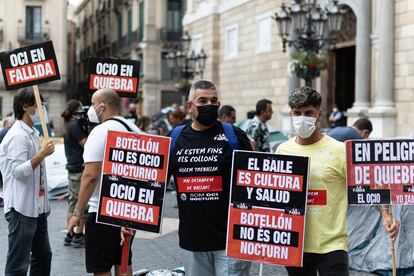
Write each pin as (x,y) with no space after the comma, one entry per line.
(227,114)
(143,122)
(257,131)
(26,201)
(336,118)
(74,139)
(326,236)
(132,113)
(361,129)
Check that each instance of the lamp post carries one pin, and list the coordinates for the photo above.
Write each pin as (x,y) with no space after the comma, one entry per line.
(314,27)
(187,62)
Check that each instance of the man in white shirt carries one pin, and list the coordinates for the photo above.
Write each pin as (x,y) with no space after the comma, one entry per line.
(102,242)
(26,205)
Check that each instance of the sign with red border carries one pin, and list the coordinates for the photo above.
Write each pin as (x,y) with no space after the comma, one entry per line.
(30,65)
(267,208)
(380,172)
(133,181)
(121,75)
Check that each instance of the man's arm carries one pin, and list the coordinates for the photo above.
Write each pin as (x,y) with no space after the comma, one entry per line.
(90,177)
(390,224)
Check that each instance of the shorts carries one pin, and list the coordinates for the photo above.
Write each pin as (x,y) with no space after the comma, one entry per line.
(334,263)
(74,186)
(102,246)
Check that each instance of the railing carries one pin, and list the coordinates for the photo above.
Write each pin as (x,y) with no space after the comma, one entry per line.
(127,40)
(25,35)
(168,34)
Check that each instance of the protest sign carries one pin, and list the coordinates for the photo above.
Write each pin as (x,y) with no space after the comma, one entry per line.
(267,208)
(120,75)
(31,65)
(133,180)
(380,172)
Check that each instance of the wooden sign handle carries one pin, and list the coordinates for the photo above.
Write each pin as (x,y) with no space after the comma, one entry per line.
(125,254)
(40,110)
(394,270)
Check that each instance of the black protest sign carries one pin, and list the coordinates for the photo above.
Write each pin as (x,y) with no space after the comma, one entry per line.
(120,75)
(267,208)
(133,182)
(31,65)
(380,172)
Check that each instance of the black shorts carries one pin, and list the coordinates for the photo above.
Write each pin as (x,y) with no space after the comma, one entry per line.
(334,263)
(102,246)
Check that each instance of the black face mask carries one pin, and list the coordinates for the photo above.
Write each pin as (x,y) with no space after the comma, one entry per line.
(207,114)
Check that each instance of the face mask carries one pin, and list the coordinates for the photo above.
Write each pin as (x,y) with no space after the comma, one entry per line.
(92,116)
(304,125)
(35,118)
(207,114)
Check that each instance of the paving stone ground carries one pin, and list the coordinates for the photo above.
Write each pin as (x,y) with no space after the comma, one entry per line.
(149,251)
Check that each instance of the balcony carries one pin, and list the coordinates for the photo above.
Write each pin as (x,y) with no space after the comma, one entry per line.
(127,40)
(168,34)
(26,36)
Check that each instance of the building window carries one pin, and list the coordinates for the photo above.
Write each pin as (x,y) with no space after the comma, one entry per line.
(263,33)
(33,28)
(199,3)
(197,43)
(174,18)
(119,27)
(129,21)
(141,20)
(231,46)
(166,73)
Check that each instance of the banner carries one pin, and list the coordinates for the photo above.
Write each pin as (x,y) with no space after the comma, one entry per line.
(380,172)
(134,177)
(267,208)
(31,65)
(120,75)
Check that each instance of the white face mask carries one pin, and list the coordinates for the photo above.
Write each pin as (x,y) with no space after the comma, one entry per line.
(92,116)
(304,125)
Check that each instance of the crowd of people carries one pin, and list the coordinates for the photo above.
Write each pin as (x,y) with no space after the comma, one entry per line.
(202,223)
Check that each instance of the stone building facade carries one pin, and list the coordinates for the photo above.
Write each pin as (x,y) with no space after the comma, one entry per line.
(24,22)
(131,29)
(370,72)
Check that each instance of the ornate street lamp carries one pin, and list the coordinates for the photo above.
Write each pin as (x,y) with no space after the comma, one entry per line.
(314,28)
(187,62)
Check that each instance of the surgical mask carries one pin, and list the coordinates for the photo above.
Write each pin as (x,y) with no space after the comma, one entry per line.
(304,125)
(35,118)
(93,117)
(207,114)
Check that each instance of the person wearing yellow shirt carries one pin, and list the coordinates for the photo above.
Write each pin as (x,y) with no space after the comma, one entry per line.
(326,236)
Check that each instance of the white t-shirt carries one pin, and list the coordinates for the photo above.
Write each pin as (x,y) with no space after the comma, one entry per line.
(95,147)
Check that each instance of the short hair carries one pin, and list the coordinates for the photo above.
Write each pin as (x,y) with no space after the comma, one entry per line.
(201,84)
(109,97)
(226,110)
(304,96)
(262,105)
(363,124)
(24,97)
(178,114)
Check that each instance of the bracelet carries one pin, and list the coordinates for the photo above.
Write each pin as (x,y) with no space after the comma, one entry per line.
(76,213)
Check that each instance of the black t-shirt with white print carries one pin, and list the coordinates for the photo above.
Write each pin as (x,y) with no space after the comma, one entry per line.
(201,166)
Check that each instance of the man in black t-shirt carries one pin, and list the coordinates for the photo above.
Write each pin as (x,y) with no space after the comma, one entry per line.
(201,165)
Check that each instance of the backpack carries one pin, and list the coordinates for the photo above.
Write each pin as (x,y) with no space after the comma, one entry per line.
(228,131)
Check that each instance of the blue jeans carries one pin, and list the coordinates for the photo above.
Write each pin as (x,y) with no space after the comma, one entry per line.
(212,263)
(28,235)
